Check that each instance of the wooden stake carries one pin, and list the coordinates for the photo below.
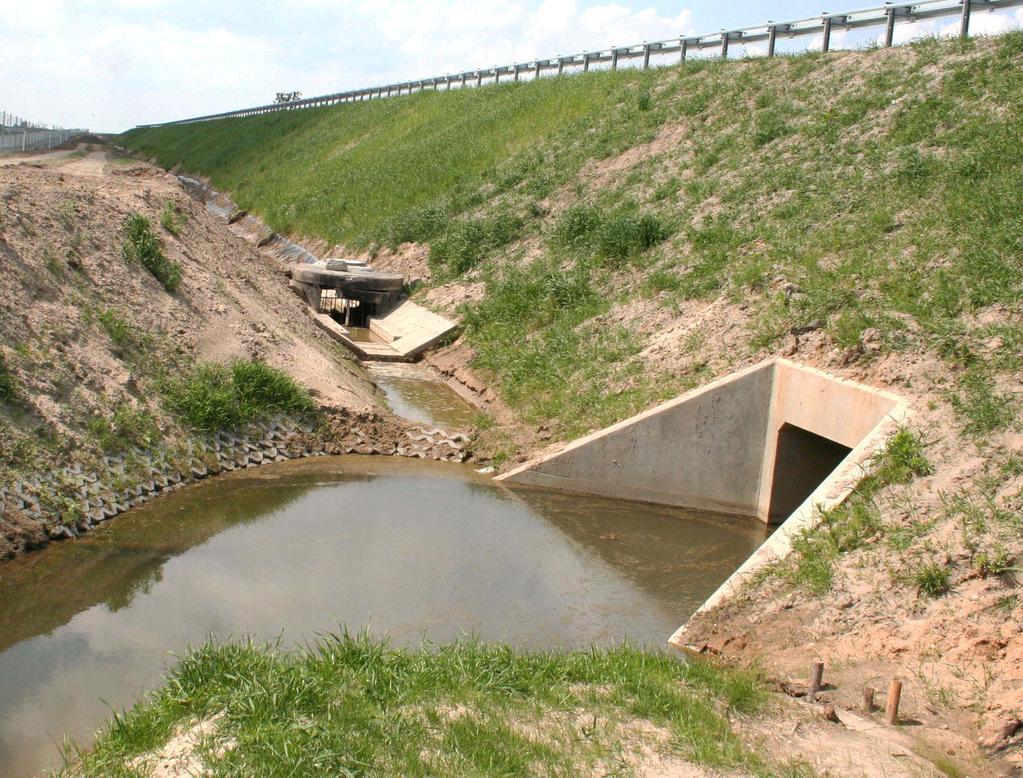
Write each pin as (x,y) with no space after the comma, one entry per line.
(868,699)
(816,678)
(894,695)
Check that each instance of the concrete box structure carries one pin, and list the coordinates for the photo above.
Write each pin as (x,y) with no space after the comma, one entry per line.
(775,441)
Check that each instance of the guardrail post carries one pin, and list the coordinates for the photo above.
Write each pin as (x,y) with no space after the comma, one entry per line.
(826,41)
(646,56)
(889,27)
(516,74)
(683,48)
(536,72)
(964,20)
(772,39)
(561,65)
(586,62)
(724,44)
(614,59)
(479,77)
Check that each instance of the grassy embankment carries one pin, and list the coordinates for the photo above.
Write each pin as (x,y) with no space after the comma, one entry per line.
(870,197)
(874,194)
(352,706)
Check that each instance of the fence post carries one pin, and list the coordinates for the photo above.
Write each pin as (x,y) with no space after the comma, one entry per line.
(24,139)
(826,42)
(964,21)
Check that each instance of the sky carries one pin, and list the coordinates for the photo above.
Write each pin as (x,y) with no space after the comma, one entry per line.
(112,64)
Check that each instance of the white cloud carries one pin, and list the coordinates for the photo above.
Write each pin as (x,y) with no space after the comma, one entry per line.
(981,23)
(112,64)
(121,62)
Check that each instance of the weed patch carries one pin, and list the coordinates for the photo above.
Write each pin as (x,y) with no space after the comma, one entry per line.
(981,407)
(610,235)
(931,578)
(216,397)
(466,242)
(172,218)
(127,427)
(120,331)
(8,387)
(143,247)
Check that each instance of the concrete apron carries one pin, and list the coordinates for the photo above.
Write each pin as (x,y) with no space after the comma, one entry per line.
(777,441)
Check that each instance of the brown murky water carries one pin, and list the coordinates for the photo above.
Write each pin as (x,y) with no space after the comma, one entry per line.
(408,549)
(414,393)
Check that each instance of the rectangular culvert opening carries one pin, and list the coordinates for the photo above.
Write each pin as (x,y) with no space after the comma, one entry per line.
(803,460)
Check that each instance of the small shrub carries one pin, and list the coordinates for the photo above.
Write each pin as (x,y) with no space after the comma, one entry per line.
(220,397)
(142,246)
(931,579)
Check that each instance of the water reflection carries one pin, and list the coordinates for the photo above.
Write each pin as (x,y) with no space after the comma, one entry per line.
(413,549)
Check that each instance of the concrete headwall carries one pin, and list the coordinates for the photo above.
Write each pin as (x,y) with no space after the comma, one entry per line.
(716,448)
(776,430)
(703,450)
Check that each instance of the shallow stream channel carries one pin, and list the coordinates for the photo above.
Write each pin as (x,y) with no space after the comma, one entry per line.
(408,549)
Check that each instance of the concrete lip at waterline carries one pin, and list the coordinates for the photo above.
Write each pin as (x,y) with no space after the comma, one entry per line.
(777,441)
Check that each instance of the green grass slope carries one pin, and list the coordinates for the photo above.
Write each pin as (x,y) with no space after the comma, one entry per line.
(873,196)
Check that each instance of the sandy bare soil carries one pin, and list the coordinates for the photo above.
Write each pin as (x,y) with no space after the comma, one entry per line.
(61,252)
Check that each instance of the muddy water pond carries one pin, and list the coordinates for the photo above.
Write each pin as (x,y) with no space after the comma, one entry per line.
(407,549)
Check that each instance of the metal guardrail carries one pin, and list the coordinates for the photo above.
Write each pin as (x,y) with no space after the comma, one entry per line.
(886,16)
(19,134)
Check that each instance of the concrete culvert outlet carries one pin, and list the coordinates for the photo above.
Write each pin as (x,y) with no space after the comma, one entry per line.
(777,442)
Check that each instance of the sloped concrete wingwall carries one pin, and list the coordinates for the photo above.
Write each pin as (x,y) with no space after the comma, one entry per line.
(704,450)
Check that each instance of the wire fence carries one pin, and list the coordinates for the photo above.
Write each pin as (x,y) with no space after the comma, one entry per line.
(651,54)
(19,134)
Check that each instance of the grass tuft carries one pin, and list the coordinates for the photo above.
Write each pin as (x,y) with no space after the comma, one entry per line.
(172,218)
(8,387)
(931,578)
(216,397)
(142,246)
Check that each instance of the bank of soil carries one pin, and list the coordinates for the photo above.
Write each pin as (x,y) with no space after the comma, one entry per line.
(88,336)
